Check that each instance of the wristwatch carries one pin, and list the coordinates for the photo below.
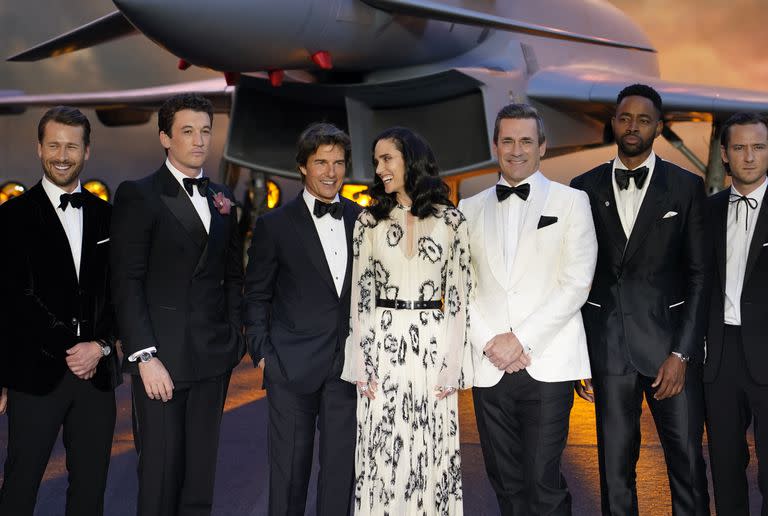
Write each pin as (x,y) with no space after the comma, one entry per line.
(684,358)
(146,356)
(106,349)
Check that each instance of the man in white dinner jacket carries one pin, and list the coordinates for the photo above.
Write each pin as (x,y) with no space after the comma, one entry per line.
(534,252)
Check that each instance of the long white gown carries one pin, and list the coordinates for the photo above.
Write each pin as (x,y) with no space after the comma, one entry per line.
(407,457)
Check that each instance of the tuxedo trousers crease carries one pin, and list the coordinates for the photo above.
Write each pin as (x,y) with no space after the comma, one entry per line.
(733,401)
(87,416)
(523,427)
(293,420)
(679,423)
(179,446)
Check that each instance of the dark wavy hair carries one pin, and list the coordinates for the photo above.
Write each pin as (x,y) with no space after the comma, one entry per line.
(422,182)
(177,103)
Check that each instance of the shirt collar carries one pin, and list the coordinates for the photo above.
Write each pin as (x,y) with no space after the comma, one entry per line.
(757,194)
(310,199)
(533,179)
(180,176)
(54,192)
(649,162)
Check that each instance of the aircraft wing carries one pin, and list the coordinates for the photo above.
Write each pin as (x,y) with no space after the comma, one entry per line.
(124,107)
(594,92)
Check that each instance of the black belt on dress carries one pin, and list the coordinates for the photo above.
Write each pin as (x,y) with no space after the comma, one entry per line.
(399,304)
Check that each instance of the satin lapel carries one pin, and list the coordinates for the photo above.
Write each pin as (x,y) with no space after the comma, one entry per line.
(526,244)
(606,207)
(720,231)
(493,241)
(650,212)
(216,234)
(52,232)
(307,234)
(349,225)
(177,200)
(758,239)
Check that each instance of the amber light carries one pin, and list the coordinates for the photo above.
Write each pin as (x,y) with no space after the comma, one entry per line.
(97,188)
(356,193)
(273,194)
(11,189)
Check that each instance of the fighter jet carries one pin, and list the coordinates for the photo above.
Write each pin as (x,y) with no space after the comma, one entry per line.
(441,67)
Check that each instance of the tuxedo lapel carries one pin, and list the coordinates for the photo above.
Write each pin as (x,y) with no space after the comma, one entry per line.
(350,217)
(178,202)
(51,232)
(307,234)
(650,212)
(526,243)
(90,237)
(758,239)
(216,234)
(606,207)
(493,238)
(720,230)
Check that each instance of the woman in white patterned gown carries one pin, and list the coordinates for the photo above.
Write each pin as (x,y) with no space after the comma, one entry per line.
(408,350)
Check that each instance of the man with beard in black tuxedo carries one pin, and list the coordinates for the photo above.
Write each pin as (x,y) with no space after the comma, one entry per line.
(59,365)
(735,373)
(646,310)
(177,267)
(297,296)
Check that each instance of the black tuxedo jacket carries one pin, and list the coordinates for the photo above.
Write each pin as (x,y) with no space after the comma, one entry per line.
(294,317)
(43,300)
(754,294)
(648,295)
(176,287)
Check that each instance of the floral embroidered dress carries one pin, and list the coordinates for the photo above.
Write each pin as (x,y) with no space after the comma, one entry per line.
(407,457)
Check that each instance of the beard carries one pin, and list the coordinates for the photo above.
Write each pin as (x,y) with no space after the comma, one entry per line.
(56,177)
(634,149)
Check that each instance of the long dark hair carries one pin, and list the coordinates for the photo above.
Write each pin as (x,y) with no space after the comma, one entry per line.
(422,182)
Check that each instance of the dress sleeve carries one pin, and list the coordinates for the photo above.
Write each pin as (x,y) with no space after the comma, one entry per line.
(457,369)
(360,356)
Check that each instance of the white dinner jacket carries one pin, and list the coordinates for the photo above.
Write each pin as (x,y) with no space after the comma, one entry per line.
(540,297)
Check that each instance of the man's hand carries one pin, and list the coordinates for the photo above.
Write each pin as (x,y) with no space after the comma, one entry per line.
(83,358)
(519,364)
(504,350)
(157,381)
(584,389)
(670,379)
(261,364)
(3,400)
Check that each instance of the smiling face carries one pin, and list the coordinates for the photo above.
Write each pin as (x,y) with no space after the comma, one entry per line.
(63,154)
(189,142)
(747,156)
(324,172)
(518,149)
(390,166)
(636,124)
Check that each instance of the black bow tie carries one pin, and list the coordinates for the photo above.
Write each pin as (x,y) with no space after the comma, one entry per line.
(74,199)
(201,182)
(749,202)
(622,177)
(522,191)
(322,208)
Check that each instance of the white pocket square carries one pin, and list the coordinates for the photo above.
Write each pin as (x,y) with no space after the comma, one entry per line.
(102,241)
(669,214)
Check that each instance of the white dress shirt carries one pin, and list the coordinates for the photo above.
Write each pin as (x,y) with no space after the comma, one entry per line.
(333,239)
(71,220)
(628,201)
(738,239)
(198,201)
(511,214)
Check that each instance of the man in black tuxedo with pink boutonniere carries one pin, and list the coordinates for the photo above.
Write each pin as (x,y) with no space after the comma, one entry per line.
(177,277)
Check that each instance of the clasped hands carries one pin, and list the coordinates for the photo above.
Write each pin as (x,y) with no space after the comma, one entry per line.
(83,358)
(506,353)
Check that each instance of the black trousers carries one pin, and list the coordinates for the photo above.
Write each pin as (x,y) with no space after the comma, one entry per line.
(523,427)
(680,425)
(733,400)
(88,418)
(293,418)
(178,445)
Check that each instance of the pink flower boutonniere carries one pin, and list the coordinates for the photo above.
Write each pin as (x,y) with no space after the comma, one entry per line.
(222,203)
